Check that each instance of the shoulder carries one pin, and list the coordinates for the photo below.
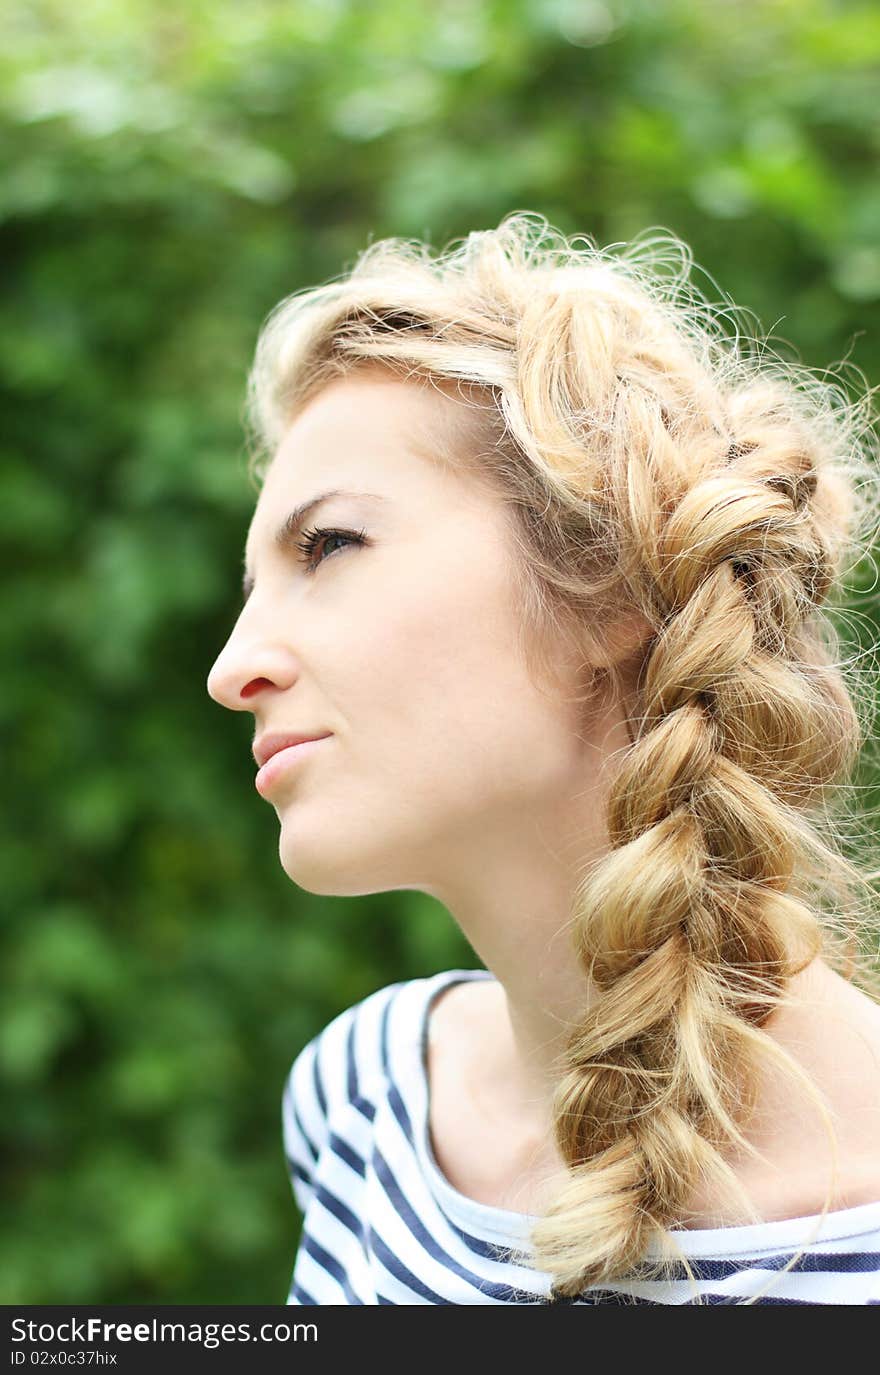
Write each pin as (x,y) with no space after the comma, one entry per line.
(464,1014)
(353,1056)
(831,1031)
(340,1071)
(345,1055)
(847,1065)
(835,1028)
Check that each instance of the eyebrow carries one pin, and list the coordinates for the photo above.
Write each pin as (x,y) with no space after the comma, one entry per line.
(290,527)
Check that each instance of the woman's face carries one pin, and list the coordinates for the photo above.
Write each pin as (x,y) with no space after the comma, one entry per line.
(442,754)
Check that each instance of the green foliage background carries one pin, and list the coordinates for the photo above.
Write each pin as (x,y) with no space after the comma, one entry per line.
(170,172)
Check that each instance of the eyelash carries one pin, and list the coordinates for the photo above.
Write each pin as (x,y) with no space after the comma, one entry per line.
(313,537)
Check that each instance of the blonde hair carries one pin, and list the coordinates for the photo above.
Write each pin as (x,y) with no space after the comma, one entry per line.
(654,459)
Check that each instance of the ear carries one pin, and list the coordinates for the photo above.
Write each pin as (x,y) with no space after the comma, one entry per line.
(628,638)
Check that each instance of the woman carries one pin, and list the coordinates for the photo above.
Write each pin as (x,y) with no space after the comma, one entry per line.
(555,633)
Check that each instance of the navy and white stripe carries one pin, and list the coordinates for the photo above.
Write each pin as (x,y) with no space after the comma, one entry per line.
(382,1224)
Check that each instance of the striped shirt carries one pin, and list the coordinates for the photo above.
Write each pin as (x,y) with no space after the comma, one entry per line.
(383,1225)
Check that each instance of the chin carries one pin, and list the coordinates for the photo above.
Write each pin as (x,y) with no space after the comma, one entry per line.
(330,850)
(306,870)
(316,870)
(336,876)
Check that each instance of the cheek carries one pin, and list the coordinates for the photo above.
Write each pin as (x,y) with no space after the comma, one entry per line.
(442,698)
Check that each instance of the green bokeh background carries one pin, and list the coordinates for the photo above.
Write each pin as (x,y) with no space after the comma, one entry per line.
(170,172)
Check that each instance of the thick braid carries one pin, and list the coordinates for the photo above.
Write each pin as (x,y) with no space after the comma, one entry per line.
(687,928)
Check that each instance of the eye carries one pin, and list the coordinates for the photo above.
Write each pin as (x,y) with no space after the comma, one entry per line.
(318,537)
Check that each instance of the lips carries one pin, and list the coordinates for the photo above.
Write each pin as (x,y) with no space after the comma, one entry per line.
(270,744)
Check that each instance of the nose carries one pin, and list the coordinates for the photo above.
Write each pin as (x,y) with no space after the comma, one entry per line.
(245,667)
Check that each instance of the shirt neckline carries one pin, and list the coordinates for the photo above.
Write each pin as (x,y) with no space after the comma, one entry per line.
(502,1223)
